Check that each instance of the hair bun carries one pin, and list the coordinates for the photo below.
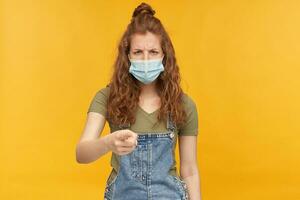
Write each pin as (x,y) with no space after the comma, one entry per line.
(143,8)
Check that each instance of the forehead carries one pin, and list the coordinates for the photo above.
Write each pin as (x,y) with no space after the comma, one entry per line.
(145,41)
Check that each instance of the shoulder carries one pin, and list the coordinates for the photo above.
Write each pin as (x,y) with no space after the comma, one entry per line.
(104,91)
(188,102)
(102,94)
(99,101)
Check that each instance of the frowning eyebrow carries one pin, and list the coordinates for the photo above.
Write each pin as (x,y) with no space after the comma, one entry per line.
(149,49)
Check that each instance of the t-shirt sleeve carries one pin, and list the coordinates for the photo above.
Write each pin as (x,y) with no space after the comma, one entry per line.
(191,125)
(99,102)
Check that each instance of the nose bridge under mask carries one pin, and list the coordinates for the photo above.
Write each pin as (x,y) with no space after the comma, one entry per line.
(146,68)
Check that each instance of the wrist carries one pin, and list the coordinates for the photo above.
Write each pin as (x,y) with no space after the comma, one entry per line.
(106,142)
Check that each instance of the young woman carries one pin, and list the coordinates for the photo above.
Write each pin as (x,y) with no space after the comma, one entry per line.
(147,111)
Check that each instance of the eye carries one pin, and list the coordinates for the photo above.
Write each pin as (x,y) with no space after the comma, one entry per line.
(136,52)
(154,52)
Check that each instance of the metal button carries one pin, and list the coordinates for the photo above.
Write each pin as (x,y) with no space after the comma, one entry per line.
(172,135)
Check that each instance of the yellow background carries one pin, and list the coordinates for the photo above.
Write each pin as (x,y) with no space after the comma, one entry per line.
(239,61)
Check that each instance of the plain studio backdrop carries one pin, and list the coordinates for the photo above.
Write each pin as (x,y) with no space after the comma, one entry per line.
(239,61)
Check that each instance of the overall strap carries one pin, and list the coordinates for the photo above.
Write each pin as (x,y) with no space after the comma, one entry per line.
(170,124)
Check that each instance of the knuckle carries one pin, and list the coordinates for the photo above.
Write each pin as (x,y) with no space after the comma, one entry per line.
(116,142)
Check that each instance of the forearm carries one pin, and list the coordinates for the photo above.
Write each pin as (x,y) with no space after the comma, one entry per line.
(192,179)
(90,150)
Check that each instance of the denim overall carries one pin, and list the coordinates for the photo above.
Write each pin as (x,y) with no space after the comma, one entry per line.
(144,173)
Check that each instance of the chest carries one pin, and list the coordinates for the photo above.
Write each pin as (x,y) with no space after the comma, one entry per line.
(149,105)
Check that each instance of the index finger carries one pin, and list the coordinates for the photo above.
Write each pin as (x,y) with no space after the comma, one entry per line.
(125,134)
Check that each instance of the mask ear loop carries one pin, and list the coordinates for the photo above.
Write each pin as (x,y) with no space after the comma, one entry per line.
(162,59)
(163,67)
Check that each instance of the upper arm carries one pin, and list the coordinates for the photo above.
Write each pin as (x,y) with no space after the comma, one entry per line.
(188,155)
(187,137)
(99,102)
(188,150)
(191,125)
(96,115)
(93,126)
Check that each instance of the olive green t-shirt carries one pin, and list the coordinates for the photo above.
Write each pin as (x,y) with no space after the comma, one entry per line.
(147,122)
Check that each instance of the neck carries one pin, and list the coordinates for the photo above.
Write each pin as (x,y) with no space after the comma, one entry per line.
(149,90)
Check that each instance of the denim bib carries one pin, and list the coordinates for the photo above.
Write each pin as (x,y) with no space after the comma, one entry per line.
(143,173)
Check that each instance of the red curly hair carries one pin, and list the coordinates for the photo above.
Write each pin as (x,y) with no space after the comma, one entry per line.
(124,88)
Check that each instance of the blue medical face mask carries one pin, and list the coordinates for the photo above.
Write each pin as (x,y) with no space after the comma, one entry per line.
(146,71)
